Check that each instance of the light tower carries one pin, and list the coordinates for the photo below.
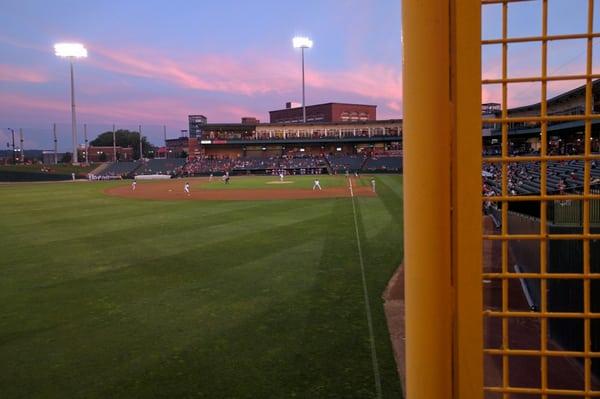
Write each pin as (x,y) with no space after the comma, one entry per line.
(72,51)
(302,43)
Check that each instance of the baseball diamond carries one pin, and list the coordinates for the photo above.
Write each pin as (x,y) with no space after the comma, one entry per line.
(106,292)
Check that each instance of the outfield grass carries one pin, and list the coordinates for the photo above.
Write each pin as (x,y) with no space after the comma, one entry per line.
(106,297)
(272,182)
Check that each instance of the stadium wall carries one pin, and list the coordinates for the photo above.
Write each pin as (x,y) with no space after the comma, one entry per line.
(10,176)
(564,295)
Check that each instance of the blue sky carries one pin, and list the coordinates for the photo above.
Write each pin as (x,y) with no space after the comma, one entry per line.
(154,62)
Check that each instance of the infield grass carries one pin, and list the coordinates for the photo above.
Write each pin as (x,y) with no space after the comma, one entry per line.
(107,297)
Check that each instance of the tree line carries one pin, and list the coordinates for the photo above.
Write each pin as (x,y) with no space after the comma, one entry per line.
(126,138)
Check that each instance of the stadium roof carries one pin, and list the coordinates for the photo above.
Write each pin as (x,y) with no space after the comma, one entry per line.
(573,92)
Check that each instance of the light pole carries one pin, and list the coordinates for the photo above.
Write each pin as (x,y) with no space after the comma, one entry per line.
(114,144)
(72,51)
(21,145)
(13,144)
(86,142)
(140,130)
(302,43)
(55,144)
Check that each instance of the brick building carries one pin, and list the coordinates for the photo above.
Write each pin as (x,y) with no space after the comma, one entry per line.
(328,112)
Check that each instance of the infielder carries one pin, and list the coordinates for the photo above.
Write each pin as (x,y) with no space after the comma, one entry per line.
(373,184)
(317,185)
(133,184)
(186,188)
(281,175)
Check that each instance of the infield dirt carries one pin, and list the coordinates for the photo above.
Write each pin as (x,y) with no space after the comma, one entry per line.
(172,190)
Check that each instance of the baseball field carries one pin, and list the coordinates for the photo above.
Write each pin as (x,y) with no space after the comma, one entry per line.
(104,295)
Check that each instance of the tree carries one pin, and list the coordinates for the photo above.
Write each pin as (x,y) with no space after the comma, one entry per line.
(66,158)
(124,138)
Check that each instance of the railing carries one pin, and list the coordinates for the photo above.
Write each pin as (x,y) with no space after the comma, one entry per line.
(560,355)
(564,324)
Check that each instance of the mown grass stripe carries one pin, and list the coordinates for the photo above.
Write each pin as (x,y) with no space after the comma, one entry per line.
(376,374)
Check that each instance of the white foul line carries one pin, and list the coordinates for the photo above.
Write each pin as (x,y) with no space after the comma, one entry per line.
(367,304)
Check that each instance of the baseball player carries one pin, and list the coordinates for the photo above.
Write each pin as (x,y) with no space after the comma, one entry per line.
(210,177)
(133,185)
(373,184)
(317,185)
(186,188)
(281,175)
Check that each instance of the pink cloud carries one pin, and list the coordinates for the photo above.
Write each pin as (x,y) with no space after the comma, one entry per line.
(395,105)
(155,111)
(248,75)
(525,62)
(12,73)
(147,111)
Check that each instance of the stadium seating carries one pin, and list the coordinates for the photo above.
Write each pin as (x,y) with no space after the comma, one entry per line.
(119,169)
(524,177)
(298,163)
(161,166)
(255,163)
(206,165)
(343,163)
(382,163)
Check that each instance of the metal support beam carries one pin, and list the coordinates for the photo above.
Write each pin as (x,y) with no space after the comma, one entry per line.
(114,143)
(140,131)
(303,98)
(85,138)
(427,240)
(74,159)
(442,191)
(467,247)
(55,144)
(22,156)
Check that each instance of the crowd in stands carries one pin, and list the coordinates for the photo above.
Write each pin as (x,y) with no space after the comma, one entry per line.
(206,165)
(346,162)
(571,146)
(524,177)
(161,166)
(293,162)
(383,163)
(117,170)
(290,162)
(256,163)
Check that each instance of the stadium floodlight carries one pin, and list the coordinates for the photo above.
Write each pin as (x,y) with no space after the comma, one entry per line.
(72,51)
(302,43)
(75,50)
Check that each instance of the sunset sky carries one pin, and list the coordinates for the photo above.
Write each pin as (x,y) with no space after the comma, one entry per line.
(154,62)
